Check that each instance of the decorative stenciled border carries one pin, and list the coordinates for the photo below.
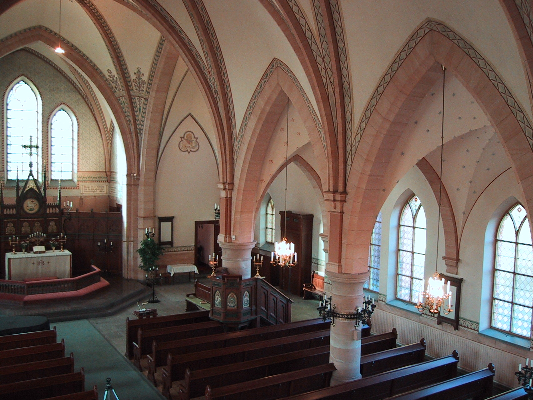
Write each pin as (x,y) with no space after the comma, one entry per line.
(483,64)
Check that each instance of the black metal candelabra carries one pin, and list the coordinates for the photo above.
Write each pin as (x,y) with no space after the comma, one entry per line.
(525,376)
(361,315)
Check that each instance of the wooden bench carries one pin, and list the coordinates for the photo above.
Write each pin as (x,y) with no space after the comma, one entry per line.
(382,361)
(315,288)
(88,395)
(143,345)
(381,342)
(381,386)
(32,353)
(42,388)
(514,394)
(177,364)
(28,339)
(195,382)
(475,385)
(160,351)
(36,369)
(276,386)
(159,322)
(200,299)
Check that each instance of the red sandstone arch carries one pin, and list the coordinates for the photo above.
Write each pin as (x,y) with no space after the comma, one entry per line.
(269,107)
(308,171)
(369,186)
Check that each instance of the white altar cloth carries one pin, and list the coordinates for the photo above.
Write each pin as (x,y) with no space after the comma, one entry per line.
(26,266)
(180,268)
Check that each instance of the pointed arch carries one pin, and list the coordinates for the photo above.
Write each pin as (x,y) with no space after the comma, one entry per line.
(277,90)
(406,87)
(41,34)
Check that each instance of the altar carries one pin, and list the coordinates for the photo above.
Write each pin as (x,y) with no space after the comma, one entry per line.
(27,266)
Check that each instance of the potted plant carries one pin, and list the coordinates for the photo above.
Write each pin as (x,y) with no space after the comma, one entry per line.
(149,252)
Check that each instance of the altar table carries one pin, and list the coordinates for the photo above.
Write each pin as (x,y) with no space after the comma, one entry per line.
(182,268)
(28,266)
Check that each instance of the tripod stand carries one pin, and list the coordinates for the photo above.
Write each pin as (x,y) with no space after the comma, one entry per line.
(109,391)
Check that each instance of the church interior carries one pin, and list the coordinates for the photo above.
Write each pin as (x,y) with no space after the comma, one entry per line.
(389,140)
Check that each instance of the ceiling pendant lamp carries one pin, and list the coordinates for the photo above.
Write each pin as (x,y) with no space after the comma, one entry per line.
(59,49)
(437,291)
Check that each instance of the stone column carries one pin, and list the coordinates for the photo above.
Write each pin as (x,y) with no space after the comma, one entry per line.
(236,257)
(345,341)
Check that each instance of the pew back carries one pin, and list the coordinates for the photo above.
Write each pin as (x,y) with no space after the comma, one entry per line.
(143,343)
(382,361)
(475,385)
(375,343)
(176,365)
(196,381)
(515,394)
(160,351)
(37,389)
(384,385)
(28,339)
(32,353)
(37,369)
(276,386)
(160,322)
(88,395)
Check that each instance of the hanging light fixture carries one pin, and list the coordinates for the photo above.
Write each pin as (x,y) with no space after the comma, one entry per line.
(59,49)
(433,299)
(284,254)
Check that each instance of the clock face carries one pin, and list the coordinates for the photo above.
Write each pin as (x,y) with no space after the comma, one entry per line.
(31,206)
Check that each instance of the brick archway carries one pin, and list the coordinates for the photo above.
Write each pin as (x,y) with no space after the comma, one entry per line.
(369,186)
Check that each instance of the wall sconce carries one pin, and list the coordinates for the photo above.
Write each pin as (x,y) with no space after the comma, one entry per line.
(361,315)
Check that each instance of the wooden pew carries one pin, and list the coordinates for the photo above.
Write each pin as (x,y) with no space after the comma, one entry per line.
(382,361)
(475,385)
(28,339)
(36,369)
(159,322)
(176,364)
(88,395)
(196,381)
(381,342)
(143,344)
(514,394)
(381,386)
(276,386)
(32,353)
(160,351)
(37,389)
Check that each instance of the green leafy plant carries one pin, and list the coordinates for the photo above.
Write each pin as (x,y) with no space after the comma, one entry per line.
(149,251)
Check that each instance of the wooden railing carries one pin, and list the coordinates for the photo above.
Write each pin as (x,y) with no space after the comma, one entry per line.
(20,288)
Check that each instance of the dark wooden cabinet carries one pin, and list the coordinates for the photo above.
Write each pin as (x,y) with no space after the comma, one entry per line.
(298,229)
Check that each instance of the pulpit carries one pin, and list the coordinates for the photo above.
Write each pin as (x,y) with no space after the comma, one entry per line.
(28,266)
(233,300)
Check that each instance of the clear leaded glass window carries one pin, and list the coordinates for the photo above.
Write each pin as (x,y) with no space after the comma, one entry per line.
(62,145)
(23,125)
(512,296)
(270,221)
(374,256)
(411,251)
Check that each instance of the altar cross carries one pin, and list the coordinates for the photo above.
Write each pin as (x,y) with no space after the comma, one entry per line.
(30,147)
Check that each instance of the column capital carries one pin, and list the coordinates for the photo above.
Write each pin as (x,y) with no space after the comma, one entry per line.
(452,266)
(335,201)
(226,188)
(132,179)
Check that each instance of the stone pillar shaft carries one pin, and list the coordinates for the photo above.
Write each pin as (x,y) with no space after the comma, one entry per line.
(345,341)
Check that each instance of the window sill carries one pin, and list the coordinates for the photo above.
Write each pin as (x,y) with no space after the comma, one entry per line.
(506,337)
(403,305)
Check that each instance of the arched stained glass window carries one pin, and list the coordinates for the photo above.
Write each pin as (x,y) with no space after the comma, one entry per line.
(23,126)
(62,145)
(411,251)
(270,225)
(512,297)
(374,258)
